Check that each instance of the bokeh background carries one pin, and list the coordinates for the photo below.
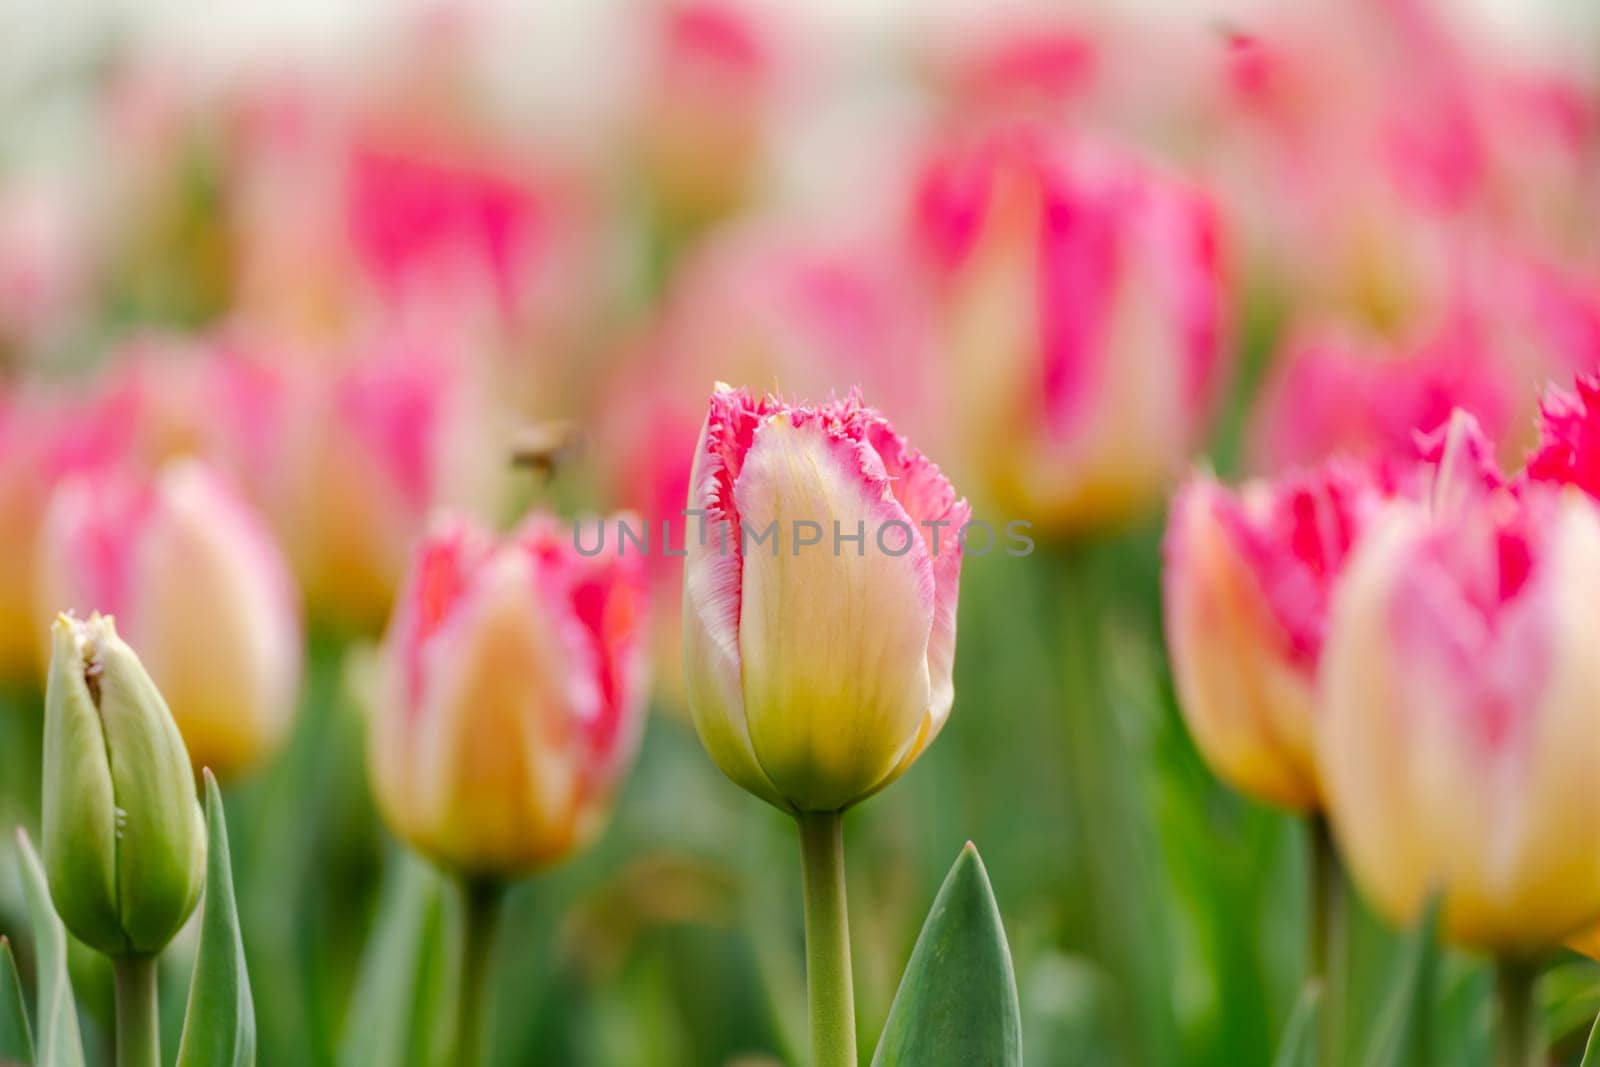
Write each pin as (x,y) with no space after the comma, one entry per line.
(358,257)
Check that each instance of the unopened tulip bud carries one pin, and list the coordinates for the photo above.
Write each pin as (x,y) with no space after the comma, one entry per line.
(511,697)
(197,583)
(124,839)
(1457,731)
(817,659)
(1247,583)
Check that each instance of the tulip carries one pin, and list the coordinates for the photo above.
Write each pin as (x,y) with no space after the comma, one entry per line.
(510,705)
(45,437)
(1083,309)
(703,107)
(511,700)
(347,462)
(817,673)
(1457,729)
(819,670)
(124,840)
(1332,396)
(198,583)
(1248,579)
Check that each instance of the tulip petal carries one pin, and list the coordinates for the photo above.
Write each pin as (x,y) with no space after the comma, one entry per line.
(931,505)
(711,594)
(161,832)
(834,645)
(79,817)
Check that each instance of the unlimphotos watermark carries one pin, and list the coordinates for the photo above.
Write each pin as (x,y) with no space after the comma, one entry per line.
(893,537)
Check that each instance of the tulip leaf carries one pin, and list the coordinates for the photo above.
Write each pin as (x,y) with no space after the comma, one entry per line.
(401,1009)
(219,1028)
(1401,1033)
(1298,1046)
(16,1040)
(957,1002)
(57,1042)
(1591,1051)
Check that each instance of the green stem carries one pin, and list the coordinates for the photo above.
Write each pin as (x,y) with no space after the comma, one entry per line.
(1515,979)
(828,986)
(138,1026)
(1329,906)
(481,899)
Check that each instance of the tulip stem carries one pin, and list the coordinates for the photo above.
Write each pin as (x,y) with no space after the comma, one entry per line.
(1328,924)
(828,983)
(1515,981)
(481,899)
(138,1026)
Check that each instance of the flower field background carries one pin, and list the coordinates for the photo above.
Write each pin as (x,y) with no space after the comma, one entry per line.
(294,338)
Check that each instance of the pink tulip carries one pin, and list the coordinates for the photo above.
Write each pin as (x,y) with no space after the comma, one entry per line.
(349,461)
(512,696)
(44,437)
(1330,396)
(1456,731)
(1336,393)
(195,581)
(818,668)
(1248,578)
(1083,307)
(703,109)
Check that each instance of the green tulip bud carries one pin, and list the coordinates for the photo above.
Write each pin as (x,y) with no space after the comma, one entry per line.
(124,838)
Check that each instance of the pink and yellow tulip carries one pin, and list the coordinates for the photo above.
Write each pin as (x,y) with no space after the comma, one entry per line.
(511,698)
(818,667)
(1248,579)
(1456,734)
(1084,314)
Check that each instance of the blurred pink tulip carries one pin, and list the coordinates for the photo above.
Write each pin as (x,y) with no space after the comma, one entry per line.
(44,437)
(348,461)
(512,696)
(1248,578)
(1083,307)
(1332,393)
(1456,732)
(703,110)
(196,583)
(818,671)
(1330,397)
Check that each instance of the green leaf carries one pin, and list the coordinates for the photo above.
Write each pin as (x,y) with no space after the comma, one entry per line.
(1401,1035)
(16,1040)
(1591,1051)
(58,1043)
(957,1003)
(219,1029)
(401,1012)
(1298,1047)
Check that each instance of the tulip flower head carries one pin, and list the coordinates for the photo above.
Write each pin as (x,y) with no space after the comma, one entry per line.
(1457,734)
(124,839)
(511,699)
(1083,298)
(817,667)
(1247,581)
(199,585)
